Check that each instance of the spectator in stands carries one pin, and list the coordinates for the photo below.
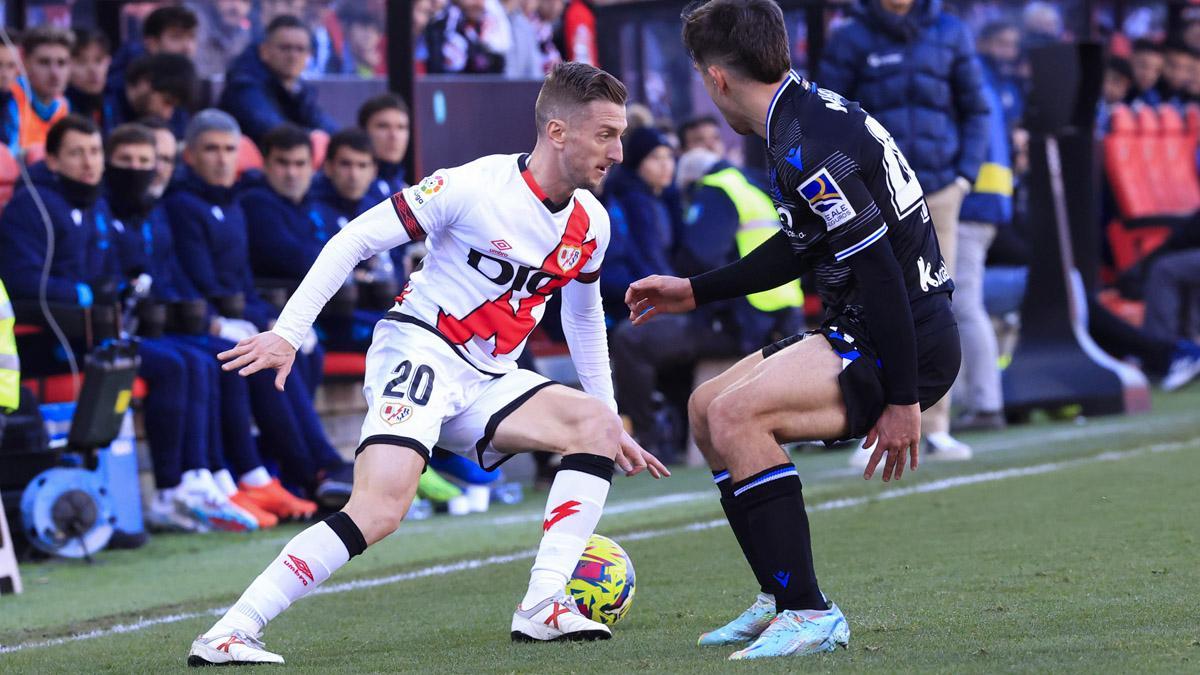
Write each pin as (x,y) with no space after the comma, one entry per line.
(643,224)
(39,100)
(547,22)
(456,40)
(205,423)
(210,230)
(68,183)
(170,29)
(1147,62)
(1043,23)
(224,32)
(423,12)
(726,217)
(702,132)
(1118,81)
(269,10)
(283,232)
(264,88)
(579,33)
(913,67)
(90,59)
(362,39)
(339,195)
(1172,293)
(1179,63)
(386,120)
(156,85)
(523,59)
(1000,52)
(988,207)
(10,67)
(167,154)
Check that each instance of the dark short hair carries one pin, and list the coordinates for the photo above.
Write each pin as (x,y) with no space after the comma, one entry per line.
(86,37)
(1178,46)
(994,28)
(169,17)
(352,137)
(1146,45)
(40,36)
(130,133)
(378,104)
(747,36)
(696,123)
(72,122)
(571,84)
(1119,66)
(286,136)
(285,21)
(350,15)
(171,74)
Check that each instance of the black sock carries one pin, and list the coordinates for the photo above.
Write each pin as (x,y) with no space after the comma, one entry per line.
(740,526)
(777,531)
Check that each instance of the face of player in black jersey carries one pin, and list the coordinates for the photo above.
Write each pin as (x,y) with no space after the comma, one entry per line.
(592,143)
(716,85)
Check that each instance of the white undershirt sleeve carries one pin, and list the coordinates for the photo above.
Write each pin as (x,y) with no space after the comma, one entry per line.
(583,326)
(378,229)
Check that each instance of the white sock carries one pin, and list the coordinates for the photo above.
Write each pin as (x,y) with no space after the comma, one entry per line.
(195,480)
(224,481)
(573,508)
(256,477)
(307,560)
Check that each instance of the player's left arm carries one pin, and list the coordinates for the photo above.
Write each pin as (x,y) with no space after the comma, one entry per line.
(858,236)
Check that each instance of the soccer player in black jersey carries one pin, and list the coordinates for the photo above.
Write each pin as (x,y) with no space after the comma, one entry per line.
(853,213)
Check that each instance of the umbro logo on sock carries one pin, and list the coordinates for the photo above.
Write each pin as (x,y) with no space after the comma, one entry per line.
(783,577)
(299,568)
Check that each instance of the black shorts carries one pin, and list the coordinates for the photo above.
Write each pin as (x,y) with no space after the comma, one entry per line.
(939,354)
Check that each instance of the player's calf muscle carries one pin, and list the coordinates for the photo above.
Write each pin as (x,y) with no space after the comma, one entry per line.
(385,481)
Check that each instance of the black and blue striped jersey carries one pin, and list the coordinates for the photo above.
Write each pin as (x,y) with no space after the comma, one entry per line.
(840,184)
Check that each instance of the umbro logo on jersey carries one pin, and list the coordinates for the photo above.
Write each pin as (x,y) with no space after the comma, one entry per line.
(501,245)
(299,568)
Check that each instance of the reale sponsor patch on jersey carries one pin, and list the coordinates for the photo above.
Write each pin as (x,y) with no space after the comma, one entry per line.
(420,194)
(825,198)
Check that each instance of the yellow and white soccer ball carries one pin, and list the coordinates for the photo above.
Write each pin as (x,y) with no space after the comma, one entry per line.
(603,583)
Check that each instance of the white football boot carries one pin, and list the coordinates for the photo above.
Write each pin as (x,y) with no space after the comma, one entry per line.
(555,618)
(231,649)
(746,627)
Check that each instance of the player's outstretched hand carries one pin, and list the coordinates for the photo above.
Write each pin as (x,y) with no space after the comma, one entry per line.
(633,459)
(655,295)
(265,350)
(898,434)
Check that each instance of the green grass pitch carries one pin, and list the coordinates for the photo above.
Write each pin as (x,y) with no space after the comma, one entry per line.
(1062,548)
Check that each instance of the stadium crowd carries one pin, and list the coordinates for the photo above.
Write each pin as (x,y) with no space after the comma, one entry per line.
(142,183)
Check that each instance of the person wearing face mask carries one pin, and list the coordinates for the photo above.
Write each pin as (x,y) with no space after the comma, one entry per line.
(210,231)
(197,482)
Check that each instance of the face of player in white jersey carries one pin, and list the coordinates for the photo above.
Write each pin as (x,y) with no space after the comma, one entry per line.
(588,142)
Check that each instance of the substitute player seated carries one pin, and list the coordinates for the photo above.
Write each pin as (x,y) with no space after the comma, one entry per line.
(504,233)
(853,213)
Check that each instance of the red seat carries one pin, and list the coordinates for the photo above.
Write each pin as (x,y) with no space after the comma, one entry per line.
(64,389)
(345,364)
(248,156)
(32,154)
(10,173)
(1123,162)
(1153,150)
(320,143)
(1129,245)
(1179,159)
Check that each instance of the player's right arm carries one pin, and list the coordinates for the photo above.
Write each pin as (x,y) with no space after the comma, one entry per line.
(407,216)
(769,266)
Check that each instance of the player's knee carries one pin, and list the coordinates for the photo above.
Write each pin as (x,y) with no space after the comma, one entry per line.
(377,514)
(593,428)
(697,408)
(729,417)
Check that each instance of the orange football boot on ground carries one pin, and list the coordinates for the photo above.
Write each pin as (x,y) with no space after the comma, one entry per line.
(265,518)
(275,498)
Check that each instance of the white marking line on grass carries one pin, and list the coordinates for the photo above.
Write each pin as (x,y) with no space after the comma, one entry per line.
(475,563)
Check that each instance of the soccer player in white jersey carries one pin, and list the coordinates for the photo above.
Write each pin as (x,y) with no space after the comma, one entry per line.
(504,232)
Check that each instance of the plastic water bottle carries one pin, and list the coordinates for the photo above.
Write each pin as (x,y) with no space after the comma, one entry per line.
(508,493)
(420,510)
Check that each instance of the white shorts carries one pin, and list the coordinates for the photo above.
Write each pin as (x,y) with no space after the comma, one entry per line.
(421,393)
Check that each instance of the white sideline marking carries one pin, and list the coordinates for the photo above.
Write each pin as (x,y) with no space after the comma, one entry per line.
(475,563)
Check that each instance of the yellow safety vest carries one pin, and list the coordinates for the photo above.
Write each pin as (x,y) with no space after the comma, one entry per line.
(759,221)
(10,367)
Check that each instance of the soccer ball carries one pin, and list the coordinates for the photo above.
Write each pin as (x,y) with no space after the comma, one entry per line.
(603,583)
